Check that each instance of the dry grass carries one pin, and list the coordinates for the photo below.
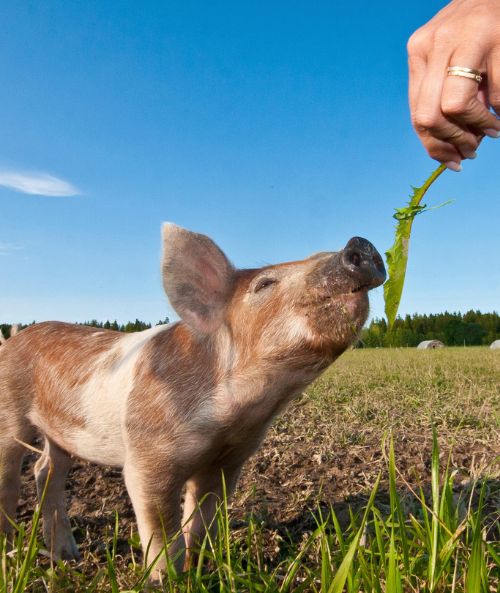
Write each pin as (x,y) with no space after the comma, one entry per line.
(327,446)
(325,451)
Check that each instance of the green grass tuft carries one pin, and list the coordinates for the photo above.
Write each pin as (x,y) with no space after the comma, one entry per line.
(394,551)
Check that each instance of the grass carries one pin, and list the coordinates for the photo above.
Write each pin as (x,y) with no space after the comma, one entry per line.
(413,507)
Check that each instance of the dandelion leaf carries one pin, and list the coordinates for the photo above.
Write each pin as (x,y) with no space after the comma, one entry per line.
(397,255)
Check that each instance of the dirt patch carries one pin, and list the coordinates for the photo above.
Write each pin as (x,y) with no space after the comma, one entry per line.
(327,448)
(280,486)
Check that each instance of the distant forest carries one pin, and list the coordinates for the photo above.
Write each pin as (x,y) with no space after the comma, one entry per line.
(453,329)
(128,328)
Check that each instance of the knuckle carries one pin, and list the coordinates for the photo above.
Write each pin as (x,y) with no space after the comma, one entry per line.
(463,140)
(443,36)
(418,42)
(423,121)
(434,147)
(455,105)
(435,153)
(455,136)
(479,20)
(470,141)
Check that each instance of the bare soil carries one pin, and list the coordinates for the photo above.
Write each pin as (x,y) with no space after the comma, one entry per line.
(321,452)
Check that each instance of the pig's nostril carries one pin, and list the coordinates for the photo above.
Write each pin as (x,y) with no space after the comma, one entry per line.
(363,263)
(354,258)
(379,264)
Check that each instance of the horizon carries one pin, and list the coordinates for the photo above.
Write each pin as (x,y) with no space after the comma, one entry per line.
(168,320)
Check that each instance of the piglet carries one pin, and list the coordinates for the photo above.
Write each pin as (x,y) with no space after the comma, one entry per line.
(177,406)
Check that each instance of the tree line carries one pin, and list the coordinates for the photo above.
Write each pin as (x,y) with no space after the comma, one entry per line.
(453,329)
(129,327)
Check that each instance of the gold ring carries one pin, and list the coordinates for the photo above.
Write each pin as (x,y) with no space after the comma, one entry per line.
(471,73)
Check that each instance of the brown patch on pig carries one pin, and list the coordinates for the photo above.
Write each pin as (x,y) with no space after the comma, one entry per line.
(156,411)
(54,359)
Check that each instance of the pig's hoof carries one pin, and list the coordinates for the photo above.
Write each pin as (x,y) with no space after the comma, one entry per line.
(72,554)
(68,551)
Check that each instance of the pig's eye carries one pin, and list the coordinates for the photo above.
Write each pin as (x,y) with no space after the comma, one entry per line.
(264,283)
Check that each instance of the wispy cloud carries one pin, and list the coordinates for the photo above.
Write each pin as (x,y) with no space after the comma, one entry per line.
(41,184)
(8,248)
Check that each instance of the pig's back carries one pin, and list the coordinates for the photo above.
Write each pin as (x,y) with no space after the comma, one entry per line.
(74,381)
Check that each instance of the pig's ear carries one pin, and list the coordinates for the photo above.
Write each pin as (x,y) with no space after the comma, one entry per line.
(197,277)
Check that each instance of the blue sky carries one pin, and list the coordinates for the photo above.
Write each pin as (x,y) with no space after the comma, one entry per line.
(277,128)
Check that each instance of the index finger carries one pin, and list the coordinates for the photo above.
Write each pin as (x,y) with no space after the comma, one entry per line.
(417,64)
(416,70)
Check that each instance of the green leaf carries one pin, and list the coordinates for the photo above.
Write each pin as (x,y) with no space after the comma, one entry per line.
(397,255)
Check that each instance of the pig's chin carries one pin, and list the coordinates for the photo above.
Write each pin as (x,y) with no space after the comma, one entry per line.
(355,306)
(339,319)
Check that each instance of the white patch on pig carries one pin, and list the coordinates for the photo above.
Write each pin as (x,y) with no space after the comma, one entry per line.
(226,352)
(296,328)
(103,401)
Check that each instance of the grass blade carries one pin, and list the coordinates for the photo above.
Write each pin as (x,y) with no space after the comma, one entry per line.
(476,581)
(32,550)
(435,526)
(393,574)
(338,582)
(395,502)
(115,588)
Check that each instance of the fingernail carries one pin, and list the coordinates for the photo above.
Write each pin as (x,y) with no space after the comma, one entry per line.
(453,166)
(492,133)
(470,155)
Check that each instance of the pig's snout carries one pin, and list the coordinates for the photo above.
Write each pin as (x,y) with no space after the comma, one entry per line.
(363,263)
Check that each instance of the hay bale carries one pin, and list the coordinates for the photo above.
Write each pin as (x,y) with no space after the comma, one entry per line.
(430,345)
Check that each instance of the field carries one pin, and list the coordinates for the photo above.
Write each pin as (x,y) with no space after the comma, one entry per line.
(306,515)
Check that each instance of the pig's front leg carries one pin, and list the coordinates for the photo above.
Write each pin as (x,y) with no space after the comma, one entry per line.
(155,491)
(204,493)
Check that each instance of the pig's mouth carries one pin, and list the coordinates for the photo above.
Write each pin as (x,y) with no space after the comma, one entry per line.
(354,300)
(345,292)
(355,296)
(359,289)
(362,288)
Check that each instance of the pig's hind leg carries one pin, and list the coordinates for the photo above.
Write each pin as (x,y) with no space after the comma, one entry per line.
(50,474)
(11,458)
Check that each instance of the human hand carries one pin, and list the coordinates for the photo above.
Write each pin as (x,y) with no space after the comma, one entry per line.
(451,114)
